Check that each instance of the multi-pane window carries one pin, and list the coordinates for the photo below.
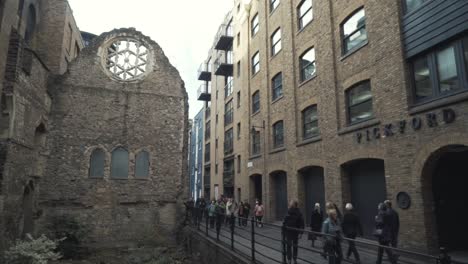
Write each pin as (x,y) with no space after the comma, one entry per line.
(274,4)
(119,163)
(310,122)
(278,134)
(255,25)
(227,86)
(256,63)
(359,102)
(228,141)
(256,143)
(304,13)
(440,72)
(228,113)
(307,64)
(207,152)
(96,164)
(411,5)
(256,102)
(142,165)
(276,42)
(354,31)
(277,86)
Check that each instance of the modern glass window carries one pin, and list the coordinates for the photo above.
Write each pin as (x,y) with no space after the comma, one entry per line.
(142,165)
(256,63)
(276,42)
(359,102)
(354,31)
(119,163)
(228,113)
(256,143)
(310,122)
(278,134)
(228,141)
(411,5)
(274,4)
(440,72)
(255,25)
(307,64)
(277,86)
(304,13)
(256,102)
(96,163)
(227,86)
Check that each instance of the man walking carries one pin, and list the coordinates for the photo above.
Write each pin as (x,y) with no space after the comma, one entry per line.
(351,228)
(293,221)
(394,224)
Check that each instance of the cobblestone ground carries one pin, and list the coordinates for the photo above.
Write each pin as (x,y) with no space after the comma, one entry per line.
(268,246)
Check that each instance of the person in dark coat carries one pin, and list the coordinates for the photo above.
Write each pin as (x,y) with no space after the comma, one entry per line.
(383,232)
(294,220)
(240,213)
(246,212)
(395,224)
(316,221)
(202,208)
(351,229)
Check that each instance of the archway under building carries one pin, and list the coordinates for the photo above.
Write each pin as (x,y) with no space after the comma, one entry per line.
(444,186)
(255,188)
(311,189)
(364,186)
(278,195)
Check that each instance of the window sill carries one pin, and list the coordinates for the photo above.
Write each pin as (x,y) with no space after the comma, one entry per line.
(439,102)
(256,113)
(255,156)
(276,150)
(304,27)
(309,141)
(308,80)
(229,156)
(358,126)
(141,179)
(277,99)
(353,50)
(254,74)
(275,55)
(273,11)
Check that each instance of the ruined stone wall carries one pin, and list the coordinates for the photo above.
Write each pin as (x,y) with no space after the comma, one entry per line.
(90,110)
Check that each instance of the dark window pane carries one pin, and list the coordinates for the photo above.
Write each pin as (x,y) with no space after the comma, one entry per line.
(447,70)
(142,165)
(465,54)
(361,111)
(119,164)
(354,31)
(360,102)
(96,164)
(278,134)
(277,86)
(310,122)
(413,4)
(256,102)
(422,79)
(359,94)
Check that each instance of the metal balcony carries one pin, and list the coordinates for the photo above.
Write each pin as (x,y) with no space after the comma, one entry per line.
(204,72)
(203,93)
(224,38)
(223,64)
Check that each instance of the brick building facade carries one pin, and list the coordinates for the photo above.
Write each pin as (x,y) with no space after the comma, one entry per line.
(345,101)
(93,134)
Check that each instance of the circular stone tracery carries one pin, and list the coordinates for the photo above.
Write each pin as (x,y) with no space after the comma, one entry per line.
(127,59)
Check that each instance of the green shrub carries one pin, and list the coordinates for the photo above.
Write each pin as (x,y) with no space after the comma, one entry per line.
(33,251)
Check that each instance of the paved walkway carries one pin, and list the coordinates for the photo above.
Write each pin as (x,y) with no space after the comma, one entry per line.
(268,246)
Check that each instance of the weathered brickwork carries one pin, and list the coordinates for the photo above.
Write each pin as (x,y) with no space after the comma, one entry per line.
(58,104)
(406,155)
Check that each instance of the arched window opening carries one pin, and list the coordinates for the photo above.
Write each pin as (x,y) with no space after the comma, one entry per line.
(96,164)
(119,164)
(39,136)
(30,24)
(142,165)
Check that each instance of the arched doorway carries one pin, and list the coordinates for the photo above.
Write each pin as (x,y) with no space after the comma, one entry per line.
(366,189)
(255,188)
(311,189)
(445,181)
(278,195)
(28,205)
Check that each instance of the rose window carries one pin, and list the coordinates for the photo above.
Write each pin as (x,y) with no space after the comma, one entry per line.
(127,59)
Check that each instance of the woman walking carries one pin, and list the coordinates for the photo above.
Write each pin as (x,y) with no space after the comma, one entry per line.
(259,212)
(333,236)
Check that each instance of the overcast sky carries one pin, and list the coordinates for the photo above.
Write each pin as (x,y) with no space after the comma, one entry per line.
(185,29)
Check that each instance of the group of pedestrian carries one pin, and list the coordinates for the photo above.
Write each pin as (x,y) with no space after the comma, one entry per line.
(332,227)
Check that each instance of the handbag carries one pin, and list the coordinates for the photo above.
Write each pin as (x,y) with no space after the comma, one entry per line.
(378,232)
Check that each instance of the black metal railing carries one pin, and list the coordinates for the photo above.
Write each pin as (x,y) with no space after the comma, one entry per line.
(268,243)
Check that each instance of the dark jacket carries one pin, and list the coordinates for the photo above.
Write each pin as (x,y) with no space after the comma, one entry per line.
(351,225)
(383,222)
(293,219)
(394,222)
(316,220)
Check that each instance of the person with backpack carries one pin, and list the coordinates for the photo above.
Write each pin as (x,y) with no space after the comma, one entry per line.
(292,221)
(332,235)
(259,212)
(202,208)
